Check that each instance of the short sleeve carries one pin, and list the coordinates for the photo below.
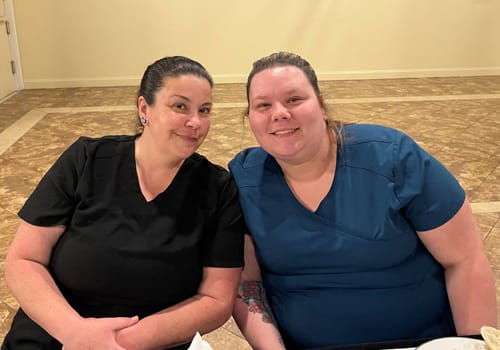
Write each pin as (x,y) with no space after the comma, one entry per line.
(224,246)
(53,200)
(429,194)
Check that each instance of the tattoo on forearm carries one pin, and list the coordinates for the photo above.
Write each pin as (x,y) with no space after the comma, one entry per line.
(253,294)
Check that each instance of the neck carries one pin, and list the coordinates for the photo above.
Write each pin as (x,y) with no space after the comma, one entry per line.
(150,157)
(155,170)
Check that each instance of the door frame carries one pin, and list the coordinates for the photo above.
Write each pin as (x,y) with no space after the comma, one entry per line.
(14,47)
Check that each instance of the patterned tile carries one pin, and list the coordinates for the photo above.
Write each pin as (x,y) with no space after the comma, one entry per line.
(456,119)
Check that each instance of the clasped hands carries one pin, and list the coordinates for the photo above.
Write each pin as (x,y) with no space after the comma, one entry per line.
(108,333)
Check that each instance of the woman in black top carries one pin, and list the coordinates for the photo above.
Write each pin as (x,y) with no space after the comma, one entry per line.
(131,242)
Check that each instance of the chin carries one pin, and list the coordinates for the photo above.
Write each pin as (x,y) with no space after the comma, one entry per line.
(188,154)
(286,156)
(188,149)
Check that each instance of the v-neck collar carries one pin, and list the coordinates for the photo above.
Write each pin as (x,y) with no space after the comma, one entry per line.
(135,176)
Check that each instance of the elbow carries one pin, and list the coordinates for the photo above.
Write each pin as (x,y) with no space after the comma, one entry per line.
(8,272)
(226,310)
(222,311)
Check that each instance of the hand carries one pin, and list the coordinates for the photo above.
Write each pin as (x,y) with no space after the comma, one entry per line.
(140,336)
(130,338)
(98,333)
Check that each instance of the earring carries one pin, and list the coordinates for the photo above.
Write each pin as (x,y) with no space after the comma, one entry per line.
(144,121)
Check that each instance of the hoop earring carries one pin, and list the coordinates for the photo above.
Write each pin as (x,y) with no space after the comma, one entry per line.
(144,121)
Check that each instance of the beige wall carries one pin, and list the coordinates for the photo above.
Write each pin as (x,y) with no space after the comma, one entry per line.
(110,42)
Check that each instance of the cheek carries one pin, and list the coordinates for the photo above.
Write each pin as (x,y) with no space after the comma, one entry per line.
(313,116)
(205,125)
(257,124)
(308,110)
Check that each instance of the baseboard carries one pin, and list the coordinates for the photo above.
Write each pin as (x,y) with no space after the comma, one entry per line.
(69,83)
(408,73)
(241,78)
(230,78)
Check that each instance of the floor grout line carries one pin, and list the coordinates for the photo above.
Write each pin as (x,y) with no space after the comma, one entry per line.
(21,126)
(413,98)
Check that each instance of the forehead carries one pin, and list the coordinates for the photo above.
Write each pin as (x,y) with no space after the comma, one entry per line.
(279,77)
(185,81)
(188,85)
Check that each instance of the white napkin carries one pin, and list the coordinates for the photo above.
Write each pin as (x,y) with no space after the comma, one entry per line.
(199,344)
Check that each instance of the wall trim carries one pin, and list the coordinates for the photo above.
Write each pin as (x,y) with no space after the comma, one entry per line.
(241,78)
(82,82)
(408,73)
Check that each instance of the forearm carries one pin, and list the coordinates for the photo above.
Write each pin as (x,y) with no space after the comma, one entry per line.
(255,319)
(177,324)
(472,294)
(38,295)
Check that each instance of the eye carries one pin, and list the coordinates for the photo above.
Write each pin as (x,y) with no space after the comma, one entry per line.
(205,110)
(294,99)
(262,105)
(180,106)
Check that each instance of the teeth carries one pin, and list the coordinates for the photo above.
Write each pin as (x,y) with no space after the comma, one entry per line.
(281,132)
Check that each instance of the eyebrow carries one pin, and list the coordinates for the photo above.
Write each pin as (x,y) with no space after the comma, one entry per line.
(258,98)
(180,96)
(288,92)
(187,99)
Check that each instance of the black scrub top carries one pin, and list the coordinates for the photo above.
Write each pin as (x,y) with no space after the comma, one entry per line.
(120,254)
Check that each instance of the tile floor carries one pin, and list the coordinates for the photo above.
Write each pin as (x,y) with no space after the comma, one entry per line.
(456,119)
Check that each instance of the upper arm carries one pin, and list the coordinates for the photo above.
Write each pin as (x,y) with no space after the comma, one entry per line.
(456,240)
(251,271)
(34,243)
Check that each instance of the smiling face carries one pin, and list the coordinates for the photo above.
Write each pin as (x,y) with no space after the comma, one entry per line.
(285,114)
(178,120)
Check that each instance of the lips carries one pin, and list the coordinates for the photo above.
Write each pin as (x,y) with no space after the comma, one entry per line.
(284,131)
(189,137)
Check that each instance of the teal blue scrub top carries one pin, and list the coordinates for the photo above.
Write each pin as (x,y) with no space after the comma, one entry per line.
(354,270)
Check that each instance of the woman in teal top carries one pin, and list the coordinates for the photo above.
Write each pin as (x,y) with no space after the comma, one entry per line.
(356,234)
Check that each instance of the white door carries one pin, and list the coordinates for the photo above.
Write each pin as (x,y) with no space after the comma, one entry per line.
(7,77)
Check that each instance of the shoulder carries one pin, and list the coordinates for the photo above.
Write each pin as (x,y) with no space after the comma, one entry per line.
(85,148)
(249,163)
(371,147)
(249,158)
(253,167)
(200,164)
(371,140)
(198,160)
(108,139)
(356,134)
(104,143)
(102,152)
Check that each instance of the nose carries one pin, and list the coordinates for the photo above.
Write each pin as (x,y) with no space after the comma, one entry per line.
(193,121)
(279,112)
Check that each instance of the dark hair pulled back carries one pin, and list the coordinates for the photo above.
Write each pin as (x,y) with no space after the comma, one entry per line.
(153,78)
(168,67)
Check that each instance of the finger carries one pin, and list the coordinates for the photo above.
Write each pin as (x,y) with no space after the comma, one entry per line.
(124,322)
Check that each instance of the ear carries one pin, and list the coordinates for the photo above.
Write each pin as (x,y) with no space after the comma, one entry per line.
(142,106)
(323,107)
